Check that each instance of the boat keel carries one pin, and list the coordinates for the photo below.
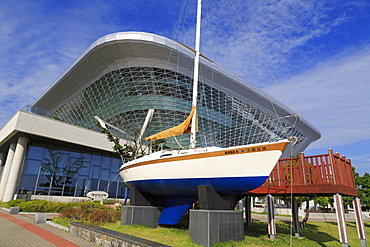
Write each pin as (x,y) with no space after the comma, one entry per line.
(174,209)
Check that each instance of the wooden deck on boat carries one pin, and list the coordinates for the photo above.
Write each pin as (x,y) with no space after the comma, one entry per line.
(318,175)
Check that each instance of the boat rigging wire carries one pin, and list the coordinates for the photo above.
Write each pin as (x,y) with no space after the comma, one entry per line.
(263,60)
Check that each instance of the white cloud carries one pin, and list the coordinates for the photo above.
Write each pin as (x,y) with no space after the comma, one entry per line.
(290,35)
(334,97)
(38,43)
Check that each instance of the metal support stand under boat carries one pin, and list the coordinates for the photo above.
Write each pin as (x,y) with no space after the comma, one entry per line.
(248,211)
(297,229)
(215,221)
(143,211)
(271,216)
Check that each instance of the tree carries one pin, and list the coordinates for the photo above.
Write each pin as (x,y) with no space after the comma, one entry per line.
(300,200)
(126,151)
(135,149)
(323,201)
(363,188)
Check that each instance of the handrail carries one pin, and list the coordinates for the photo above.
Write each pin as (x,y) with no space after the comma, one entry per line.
(329,169)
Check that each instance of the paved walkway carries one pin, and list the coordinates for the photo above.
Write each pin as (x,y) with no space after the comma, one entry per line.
(17,230)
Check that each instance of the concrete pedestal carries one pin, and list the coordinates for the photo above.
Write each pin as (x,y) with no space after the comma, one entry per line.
(140,215)
(208,227)
(14,210)
(40,218)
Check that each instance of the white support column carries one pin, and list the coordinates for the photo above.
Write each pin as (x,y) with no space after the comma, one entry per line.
(271,216)
(342,227)
(2,163)
(15,169)
(297,229)
(6,170)
(359,221)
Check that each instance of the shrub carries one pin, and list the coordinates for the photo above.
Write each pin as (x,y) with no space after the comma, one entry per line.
(15,203)
(101,216)
(50,207)
(111,201)
(89,206)
(71,213)
(34,206)
(91,212)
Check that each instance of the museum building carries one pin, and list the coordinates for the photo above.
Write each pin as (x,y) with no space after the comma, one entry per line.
(55,148)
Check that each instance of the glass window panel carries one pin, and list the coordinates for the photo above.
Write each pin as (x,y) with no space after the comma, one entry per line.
(106,162)
(69,190)
(47,153)
(103,185)
(94,172)
(43,185)
(32,166)
(104,174)
(87,156)
(113,176)
(116,164)
(112,189)
(74,166)
(56,191)
(69,186)
(28,183)
(97,159)
(42,191)
(35,152)
(93,184)
(85,168)
(81,186)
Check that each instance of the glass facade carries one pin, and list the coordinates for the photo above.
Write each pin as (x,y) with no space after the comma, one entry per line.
(62,170)
(123,97)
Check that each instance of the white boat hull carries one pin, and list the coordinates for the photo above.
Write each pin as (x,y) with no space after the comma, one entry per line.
(157,174)
(174,176)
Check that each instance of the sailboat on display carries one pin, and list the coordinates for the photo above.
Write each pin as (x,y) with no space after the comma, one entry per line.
(174,176)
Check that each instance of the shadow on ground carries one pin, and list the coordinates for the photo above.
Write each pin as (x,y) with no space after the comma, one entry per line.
(311,231)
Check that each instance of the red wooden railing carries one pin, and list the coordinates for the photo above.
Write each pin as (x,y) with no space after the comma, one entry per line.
(320,174)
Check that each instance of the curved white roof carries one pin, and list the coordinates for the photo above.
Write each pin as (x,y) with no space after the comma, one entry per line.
(130,49)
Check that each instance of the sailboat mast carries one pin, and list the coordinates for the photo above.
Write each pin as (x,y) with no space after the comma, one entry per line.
(196,76)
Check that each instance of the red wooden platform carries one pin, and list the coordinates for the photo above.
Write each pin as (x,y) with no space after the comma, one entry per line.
(318,175)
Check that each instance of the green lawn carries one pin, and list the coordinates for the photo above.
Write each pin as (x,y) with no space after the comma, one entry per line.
(315,234)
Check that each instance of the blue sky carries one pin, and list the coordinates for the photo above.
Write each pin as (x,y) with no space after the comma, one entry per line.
(318,51)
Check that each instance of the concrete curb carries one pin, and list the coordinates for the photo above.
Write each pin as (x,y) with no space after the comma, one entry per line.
(57,226)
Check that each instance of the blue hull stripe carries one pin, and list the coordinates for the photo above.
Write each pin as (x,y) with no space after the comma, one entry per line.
(165,188)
